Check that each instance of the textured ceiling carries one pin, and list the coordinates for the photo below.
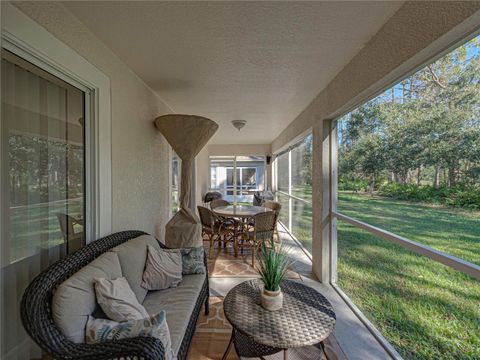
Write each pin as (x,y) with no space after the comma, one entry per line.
(259,61)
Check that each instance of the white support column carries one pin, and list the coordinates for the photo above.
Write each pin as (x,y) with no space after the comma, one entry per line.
(333,198)
(290,201)
(235,194)
(324,197)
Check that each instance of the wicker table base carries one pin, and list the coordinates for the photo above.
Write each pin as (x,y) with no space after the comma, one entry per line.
(307,318)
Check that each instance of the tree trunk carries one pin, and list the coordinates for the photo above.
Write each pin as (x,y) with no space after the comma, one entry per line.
(435,177)
(451,177)
(419,173)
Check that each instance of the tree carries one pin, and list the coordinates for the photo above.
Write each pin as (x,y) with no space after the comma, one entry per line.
(428,122)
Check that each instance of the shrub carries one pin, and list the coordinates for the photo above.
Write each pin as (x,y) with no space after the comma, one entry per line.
(459,196)
(349,184)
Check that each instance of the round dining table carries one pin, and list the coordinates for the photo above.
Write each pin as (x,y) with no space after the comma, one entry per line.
(240,211)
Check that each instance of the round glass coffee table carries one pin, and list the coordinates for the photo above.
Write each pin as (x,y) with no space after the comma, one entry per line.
(306,318)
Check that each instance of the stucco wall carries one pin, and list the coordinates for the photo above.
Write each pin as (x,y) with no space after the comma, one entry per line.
(140,161)
(417,32)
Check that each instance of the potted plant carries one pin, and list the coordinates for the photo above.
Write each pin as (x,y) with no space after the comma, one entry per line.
(273,266)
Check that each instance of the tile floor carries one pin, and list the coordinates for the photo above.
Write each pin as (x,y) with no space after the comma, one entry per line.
(225,271)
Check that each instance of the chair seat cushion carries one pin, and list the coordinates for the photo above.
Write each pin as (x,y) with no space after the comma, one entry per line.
(178,304)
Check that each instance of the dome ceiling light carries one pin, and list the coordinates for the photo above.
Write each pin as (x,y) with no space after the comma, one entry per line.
(238,124)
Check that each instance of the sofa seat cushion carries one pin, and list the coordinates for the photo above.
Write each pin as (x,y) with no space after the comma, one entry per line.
(133,255)
(74,300)
(178,304)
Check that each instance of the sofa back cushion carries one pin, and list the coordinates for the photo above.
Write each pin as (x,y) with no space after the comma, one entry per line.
(74,300)
(132,256)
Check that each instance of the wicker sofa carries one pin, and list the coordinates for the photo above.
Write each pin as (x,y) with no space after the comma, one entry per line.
(40,318)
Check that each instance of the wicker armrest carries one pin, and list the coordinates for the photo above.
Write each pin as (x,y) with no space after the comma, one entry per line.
(162,245)
(147,348)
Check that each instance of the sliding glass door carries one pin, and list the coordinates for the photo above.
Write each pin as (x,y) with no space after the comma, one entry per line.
(237,177)
(43,184)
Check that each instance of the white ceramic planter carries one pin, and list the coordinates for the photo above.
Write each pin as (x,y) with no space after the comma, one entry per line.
(272,300)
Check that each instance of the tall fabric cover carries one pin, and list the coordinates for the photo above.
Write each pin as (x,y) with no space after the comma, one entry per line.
(187,134)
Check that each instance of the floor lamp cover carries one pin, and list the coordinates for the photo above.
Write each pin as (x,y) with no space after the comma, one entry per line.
(187,134)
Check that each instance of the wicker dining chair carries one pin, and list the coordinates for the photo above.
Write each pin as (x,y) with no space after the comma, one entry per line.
(276,207)
(216,228)
(210,196)
(73,240)
(218,203)
(263,229)
(230,223)
(67,224)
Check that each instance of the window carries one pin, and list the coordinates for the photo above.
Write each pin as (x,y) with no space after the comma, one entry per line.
(409,163)
(249,176)
(175,182)
(246,179)
(294,190)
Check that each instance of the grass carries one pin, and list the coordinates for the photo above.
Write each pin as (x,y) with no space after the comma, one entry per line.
(36,227)
(301,217)
(426,310)
(454,231)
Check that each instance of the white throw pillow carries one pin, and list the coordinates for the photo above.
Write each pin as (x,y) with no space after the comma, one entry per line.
(100,330)
(117,300)
(163,269)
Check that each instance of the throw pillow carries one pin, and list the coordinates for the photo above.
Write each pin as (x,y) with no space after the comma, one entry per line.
(100,330)
(117,300)
(163,269)
(192,260)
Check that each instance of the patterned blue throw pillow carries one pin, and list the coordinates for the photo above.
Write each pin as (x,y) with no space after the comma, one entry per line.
(192,260)
(100,330)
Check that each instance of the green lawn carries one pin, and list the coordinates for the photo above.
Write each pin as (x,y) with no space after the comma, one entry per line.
(301,216)
(426,310)
(36,227)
